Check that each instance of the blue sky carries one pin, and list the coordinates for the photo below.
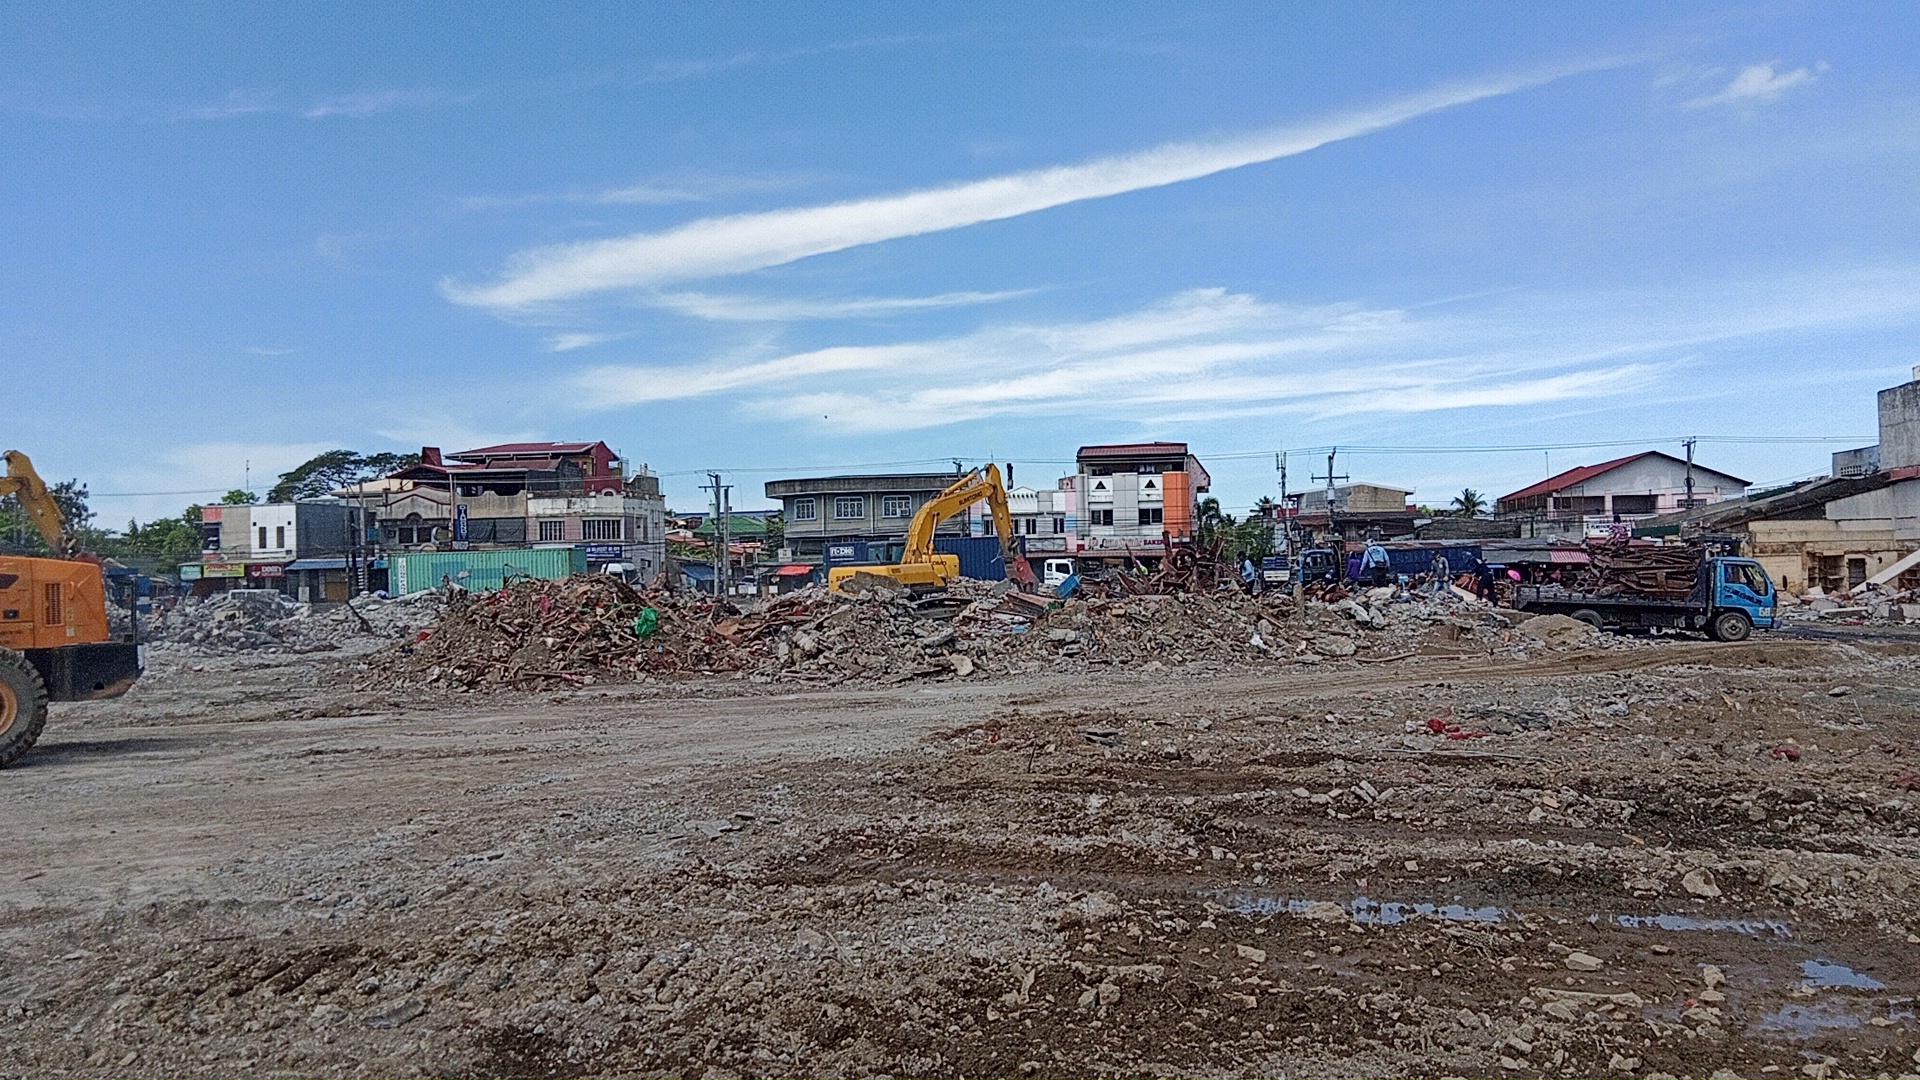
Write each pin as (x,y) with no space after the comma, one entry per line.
(779,239)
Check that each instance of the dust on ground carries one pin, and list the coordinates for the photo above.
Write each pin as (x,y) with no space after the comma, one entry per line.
(1681,859)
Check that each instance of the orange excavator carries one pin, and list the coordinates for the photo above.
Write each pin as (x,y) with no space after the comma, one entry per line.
(923,569)
(55,644)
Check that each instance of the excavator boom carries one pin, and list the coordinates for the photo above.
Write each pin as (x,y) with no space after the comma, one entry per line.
(24,484)
(920,566)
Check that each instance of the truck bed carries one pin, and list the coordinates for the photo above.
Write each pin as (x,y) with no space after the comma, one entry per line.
(1559,596)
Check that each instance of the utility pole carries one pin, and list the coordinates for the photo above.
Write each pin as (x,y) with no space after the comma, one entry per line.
(1330,477)
(1691,439)
(721,532)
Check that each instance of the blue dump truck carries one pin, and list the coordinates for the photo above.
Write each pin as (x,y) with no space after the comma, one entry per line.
(1727,599)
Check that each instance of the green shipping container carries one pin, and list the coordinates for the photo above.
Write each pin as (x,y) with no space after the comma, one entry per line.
(480,571)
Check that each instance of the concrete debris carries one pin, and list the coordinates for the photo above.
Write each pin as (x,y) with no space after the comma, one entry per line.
(264,620)
(590,629)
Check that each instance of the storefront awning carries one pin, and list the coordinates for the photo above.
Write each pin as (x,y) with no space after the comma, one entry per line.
(794,570)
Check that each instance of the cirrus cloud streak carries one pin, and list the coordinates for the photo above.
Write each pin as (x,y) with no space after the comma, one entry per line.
(711,247)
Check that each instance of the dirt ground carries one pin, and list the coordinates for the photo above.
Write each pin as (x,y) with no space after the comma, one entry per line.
(1684,859)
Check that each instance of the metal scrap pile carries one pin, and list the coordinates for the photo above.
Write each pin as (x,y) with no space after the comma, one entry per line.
(1666,572)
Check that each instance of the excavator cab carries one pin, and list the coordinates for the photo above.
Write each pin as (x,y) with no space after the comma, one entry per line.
(55,644)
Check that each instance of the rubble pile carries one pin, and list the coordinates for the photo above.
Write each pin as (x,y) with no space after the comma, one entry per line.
(1871,603)
(263,620)
(588,629)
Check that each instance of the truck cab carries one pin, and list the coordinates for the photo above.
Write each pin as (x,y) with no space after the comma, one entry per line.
(1055,571)
(1322,564)
(1741,589)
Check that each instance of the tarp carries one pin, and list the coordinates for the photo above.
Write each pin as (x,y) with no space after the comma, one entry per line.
(794,570)
(317,564)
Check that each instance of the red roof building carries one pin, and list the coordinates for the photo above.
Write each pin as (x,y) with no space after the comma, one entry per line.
(1636,486)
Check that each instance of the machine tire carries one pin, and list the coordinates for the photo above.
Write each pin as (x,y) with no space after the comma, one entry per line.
(1591,618)
(1730,626)
(23,705)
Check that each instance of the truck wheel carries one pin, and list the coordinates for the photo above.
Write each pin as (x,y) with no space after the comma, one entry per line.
(23,705)
(1730,626)
(1590,617)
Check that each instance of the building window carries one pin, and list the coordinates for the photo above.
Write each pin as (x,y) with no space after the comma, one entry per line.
(1102,517)
(1030,526)
(1151,515)
(805,510)
(849,506)
(601,529)
(1059,525)
(280,537)
(262,545)
(896,506)
(1856,573)
(552,529)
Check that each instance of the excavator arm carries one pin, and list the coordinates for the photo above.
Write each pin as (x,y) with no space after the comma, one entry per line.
(962,493)
(24,484)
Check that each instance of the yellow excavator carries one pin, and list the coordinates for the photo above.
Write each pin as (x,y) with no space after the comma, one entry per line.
(55,643)
(922,569)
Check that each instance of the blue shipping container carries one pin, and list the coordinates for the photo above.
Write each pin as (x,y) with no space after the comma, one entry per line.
(980,556)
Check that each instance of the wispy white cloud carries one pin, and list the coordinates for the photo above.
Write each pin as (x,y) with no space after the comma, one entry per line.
(724,245)
(657,191)
(752,309)
(1214,354)
(1758,84)
(369,104)
(236,103)
(572,341)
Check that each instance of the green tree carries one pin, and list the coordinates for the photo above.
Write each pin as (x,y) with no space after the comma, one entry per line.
(1469,503)
(236,497)
(168,541)
(19,534)
(322,474)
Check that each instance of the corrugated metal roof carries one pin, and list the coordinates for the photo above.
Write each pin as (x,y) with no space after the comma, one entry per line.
(1133,450)
(527,448)
(1584,473)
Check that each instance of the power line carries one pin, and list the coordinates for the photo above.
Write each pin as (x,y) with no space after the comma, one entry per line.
(1217,455)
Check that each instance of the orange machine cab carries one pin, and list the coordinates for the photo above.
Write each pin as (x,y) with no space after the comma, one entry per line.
(49,603)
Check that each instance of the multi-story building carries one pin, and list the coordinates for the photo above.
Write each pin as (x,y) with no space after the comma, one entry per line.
(1137,496)
(299,548)
(1355,511)
(1047,519)
(517,495)
(848,519)
(1591,498)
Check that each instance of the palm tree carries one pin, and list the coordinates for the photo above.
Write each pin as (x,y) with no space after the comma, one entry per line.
(1265,506)
(1469,503)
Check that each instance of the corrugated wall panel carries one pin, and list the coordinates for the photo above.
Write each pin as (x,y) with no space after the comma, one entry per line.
(1178,519)
(485,570)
